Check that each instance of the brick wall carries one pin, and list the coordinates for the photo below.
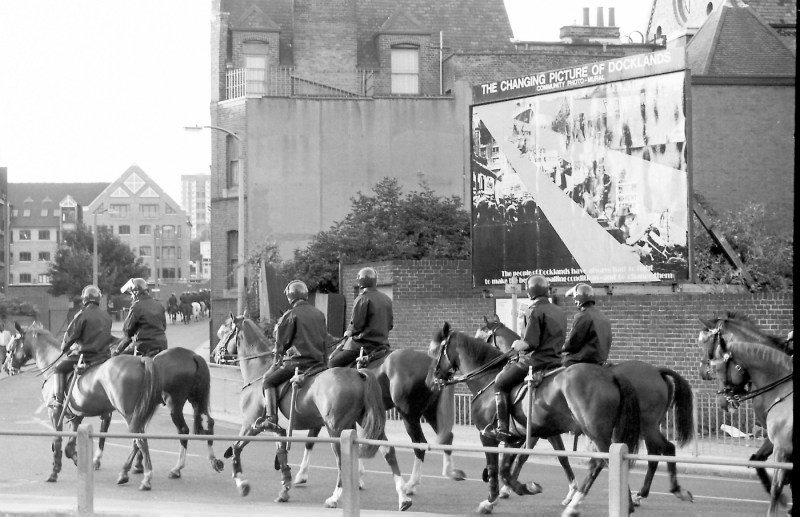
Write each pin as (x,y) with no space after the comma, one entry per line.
(659,329)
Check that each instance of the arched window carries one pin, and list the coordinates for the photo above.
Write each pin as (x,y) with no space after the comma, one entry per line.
(405,69)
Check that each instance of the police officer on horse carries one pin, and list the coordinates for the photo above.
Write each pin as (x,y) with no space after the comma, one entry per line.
(545,330)
(589,340)
(370,324)
(146,321)
(88,335)
(300,338)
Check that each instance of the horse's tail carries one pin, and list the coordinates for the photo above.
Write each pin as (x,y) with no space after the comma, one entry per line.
(628,428)
(684,405)
(373,418)
(201,391)
(150,398)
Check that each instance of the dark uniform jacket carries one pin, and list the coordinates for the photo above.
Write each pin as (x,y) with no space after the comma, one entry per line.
(590,338)
(91,329)
(545,331)
(371,322)
(146,321)
(301,335)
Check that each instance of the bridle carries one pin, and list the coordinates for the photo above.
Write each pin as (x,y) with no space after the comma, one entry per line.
(449,377)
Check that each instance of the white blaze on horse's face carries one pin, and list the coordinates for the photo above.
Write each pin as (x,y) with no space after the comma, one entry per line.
(482,334)
(433,349)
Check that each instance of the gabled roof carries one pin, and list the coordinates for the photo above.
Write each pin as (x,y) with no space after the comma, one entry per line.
(39,196)
(735,42)
(255,19)
(403,23)
(132,184)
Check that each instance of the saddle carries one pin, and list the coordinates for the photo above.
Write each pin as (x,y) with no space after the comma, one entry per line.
(376,355)
(286,387)
(518,426)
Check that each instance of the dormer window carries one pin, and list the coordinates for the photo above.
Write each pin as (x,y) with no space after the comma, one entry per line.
(405,70)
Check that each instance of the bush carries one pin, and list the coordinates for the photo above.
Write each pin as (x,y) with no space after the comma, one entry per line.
(10,307)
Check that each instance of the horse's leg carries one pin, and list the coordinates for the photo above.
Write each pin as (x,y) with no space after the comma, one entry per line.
(148,465)
(404,501)
(126,467)
(216,463)
(176,413)
(105,422)
(777,499)
(282,463)
(70,450)
(762,454)
(235,450)
(333,500)
(448,466)
(490,477)
(595,466)
(517,463)
(56,449)
(301,478)
(414,430)
(138,467)
(658,445)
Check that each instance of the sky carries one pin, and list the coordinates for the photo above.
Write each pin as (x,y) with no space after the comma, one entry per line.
(90,87)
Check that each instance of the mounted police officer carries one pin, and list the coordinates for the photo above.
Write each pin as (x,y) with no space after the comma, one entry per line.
(146,320)
(370,324)
(589,340)
(88,334)
(300,338)
(545,330)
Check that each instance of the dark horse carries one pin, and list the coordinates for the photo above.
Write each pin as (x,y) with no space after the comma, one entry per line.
(737,327)
(128,384)
(185,309)
(172,310)
(655,399)
(336,398)
(583,398)
(770,373)
(402,376)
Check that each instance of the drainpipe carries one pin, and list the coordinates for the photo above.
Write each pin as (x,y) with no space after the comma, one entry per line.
(441,60)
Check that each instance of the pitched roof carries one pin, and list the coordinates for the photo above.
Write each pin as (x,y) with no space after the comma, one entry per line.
(775,12)
(134,183)
(40,196)
(735,41)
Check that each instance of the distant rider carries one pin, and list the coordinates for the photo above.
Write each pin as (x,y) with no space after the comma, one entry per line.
(370,324)
(300,338)
(146,321)
(88,334)
(589,340)
(545,330)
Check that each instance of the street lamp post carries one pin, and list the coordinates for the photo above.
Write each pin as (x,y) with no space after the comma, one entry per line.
(242,223)
(95,237)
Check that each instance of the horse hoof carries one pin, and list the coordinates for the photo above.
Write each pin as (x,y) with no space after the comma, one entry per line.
(329,503)
(683,495)
(283,497)
(122,479)
(405,505)
(457,475)
(53,478)
(218,465)
(485,508)
(570,512)
(505,492)
(244,489)
(533,488)
(174,474)
(300,480)
(97,465)
(228,453)
(636,499)
(144,487)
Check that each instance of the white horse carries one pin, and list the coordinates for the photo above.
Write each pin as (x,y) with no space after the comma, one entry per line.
(196,311)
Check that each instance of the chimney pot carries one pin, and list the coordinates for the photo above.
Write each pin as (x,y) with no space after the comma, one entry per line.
(611,21)
(586,16)
(600,17)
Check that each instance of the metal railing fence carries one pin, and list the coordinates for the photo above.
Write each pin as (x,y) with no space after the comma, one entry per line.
(618,461)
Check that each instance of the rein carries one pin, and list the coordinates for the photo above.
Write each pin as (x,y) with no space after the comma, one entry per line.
(470,375)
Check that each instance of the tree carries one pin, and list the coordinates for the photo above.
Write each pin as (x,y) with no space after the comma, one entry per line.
(71,270)
(384,225)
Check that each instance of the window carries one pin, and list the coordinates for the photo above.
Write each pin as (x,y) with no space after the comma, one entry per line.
(168,231)
(168,252)
(120,211)
(44,278)
(24,256)
(14,213)
(26,212)
(145,229)
(124,229)
(45,212)
(168,272)
(232,261)
(44,256)
(150,211)
(44,235)
(405,70)
(232,171)
(179,252)
(255,64)
(24,235)
(145,251)
(25,278)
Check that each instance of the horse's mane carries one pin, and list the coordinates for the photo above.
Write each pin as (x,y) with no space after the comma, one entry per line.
(477,348)
(762,353)
(253,335)
(739,322)
(40,329)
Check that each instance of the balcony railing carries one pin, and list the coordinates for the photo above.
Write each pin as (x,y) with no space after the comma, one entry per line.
(284,82)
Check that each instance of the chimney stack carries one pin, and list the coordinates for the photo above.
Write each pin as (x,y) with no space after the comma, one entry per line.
(600,17)
(611,20)
(586,16)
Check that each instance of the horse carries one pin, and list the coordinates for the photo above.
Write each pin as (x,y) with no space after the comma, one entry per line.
(736,326)
(402,376)
(172,310)
(196,311)
(335,398)
(130,385)
(770,372)
(185,377)
(186,312)
(655,399)
(584,398)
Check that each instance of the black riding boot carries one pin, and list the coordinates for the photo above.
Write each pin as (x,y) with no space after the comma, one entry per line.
(500,433)
(59,387)
(270,421)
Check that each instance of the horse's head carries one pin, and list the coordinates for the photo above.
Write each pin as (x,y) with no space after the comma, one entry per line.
(445,355)
(720,365)
(228,335)
(250,335)
(17,354)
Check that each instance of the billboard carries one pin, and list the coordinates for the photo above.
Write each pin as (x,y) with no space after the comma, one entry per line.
(580,174)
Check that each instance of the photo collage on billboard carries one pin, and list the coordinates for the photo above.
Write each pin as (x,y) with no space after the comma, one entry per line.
(585,184)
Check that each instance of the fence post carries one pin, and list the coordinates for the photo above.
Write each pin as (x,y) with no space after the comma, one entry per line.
(350,496)
(85,446)
(618,495)
(697,423)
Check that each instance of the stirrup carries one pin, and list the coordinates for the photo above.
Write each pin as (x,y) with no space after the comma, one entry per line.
(497,434)
(55,404)
(265,424)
